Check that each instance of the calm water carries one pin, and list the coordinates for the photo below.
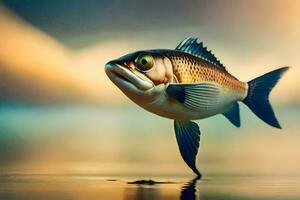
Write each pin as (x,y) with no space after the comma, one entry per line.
(96,187)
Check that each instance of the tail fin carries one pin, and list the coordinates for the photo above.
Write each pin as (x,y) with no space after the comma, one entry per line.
(258,96)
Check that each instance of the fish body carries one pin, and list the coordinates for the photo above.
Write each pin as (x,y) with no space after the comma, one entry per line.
(189,69)
(190,83)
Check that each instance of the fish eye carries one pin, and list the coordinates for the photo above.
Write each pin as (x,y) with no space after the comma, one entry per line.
(144,62)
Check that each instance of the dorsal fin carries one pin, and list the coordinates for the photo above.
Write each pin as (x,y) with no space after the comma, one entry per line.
(191,46)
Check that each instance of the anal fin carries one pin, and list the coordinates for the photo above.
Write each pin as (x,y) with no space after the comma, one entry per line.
(233,114)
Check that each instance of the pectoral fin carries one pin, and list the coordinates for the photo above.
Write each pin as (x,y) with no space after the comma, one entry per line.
(188,138)
(195,96)
(233,114)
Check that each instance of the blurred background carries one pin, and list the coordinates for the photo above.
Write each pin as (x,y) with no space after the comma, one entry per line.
(59,113)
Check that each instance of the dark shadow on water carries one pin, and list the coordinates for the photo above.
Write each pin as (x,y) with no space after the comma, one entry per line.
(149,182)
(148,190)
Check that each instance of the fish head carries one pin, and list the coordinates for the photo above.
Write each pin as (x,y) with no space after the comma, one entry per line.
(140,75)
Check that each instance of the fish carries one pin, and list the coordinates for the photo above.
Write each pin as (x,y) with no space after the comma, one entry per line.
(189,83)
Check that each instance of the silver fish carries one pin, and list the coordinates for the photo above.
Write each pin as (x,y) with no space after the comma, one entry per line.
(190,83)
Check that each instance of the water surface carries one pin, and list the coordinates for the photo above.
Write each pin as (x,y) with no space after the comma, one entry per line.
(25,187)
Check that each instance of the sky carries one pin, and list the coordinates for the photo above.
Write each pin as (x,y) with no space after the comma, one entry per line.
(63,46)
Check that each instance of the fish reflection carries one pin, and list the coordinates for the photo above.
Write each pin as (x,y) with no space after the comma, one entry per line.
(188,190)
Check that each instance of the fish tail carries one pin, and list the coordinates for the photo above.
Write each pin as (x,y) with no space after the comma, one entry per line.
(257,98)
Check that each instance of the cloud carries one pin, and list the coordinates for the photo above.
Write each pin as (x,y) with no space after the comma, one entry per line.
(36,68)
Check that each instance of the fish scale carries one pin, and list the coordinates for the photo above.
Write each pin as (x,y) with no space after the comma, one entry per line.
(190,69)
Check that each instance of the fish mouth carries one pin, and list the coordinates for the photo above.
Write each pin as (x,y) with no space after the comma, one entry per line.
(123,77)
